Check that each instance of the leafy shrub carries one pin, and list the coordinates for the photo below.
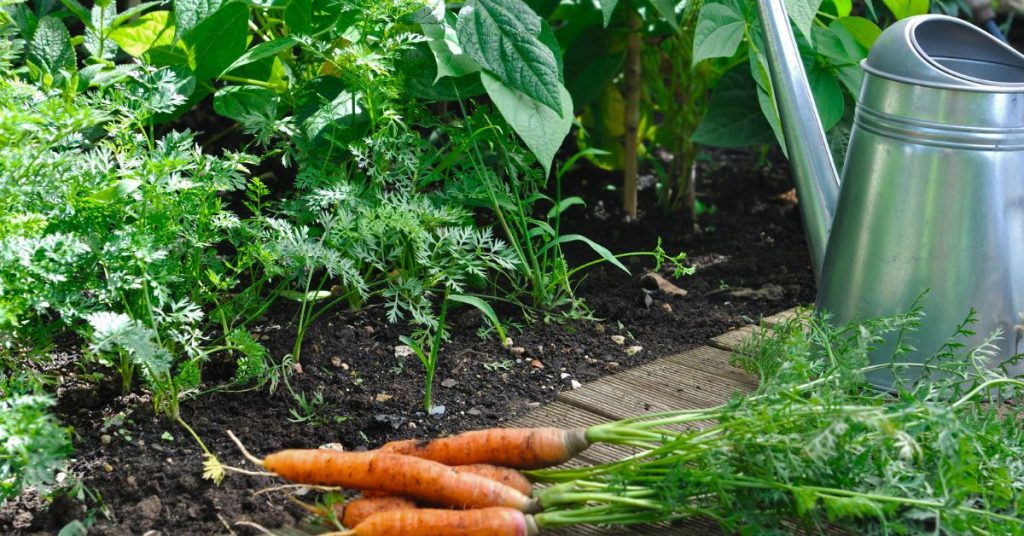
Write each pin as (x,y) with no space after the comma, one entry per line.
(33,445)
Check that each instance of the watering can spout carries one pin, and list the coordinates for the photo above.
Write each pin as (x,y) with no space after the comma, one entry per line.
(814,172)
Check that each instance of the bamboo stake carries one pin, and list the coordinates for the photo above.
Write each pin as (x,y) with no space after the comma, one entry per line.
(632,116)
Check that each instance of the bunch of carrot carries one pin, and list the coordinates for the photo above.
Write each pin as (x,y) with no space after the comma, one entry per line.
(467,484)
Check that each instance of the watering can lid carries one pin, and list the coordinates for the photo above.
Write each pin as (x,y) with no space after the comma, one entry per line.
(945,52)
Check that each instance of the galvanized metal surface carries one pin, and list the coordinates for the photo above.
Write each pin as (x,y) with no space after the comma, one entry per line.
(931,198)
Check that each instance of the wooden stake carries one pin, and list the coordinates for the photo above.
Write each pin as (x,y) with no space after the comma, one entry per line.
(632,119)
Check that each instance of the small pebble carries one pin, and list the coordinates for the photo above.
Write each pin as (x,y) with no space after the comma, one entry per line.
(508,342)
(336,362)
(599,328)
(537,364)
(575,384)
(534,404)
(382,397)
(565,375)
(412,425)
(633,350)
(403,351)
(369,330)
(106,439)
(333,446)
(666,307)
(517,351)
(611,365)
(107,468)
(449,383)
(618,339)
(437,410)
(474,411)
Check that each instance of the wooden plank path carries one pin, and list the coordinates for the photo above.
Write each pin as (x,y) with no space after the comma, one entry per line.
(697,378)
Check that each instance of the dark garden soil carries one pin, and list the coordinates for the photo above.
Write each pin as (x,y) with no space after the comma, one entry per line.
(142,473)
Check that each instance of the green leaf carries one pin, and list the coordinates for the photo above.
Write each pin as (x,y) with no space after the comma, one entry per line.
(120,189)
(607,9)
(667,10)
(503,36)
(902,9)
(189,13)
(219,40)
(598,248)
(241,103)
(828,96)
(766,97)
(420,76)
(298,16)
(564,205)
(327,112)
(79,11)
(843,7)
(51,48)
(802,13)
(444,44)
(719,32)
(540,128)
(154,29)
(261,51)
(734,117)
(863,30)
(484,308)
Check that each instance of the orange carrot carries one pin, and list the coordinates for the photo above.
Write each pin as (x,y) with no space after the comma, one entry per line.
(355,511)
(416,478)
(506,475)
(510,477)
(521,448)
(425,522)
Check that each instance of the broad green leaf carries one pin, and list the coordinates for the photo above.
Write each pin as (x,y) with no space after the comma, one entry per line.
(189,13)
(540,128)
(802,13)
(339,119)
(24,18)
(261,51)
(766,97)
(607,9)
(79,11)
(134,11)
(719,32)
(218,40)
(591,63)
(902,9)
(734,117)
(544,8)
(598,248)
(51,48)
(420,76)
(241,103)
(547,36)
(154,29)
(298,15)
(503,36)
(843,7)
(118,190)
(863,30)
(667,10)
(444,43)
(828,97)
(484,308)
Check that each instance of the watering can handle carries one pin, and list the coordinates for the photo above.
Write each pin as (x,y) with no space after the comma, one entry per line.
(814,172)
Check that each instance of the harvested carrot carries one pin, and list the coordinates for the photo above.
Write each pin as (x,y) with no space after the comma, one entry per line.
(355,511)
(407,476)
(521,448)
(426,522)
(506,475)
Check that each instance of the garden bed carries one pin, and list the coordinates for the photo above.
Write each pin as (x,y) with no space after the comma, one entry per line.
(141,472)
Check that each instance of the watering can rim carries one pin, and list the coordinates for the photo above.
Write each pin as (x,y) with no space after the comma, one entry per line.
(957,80)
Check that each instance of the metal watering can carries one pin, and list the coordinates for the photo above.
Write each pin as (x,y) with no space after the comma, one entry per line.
(932,191)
